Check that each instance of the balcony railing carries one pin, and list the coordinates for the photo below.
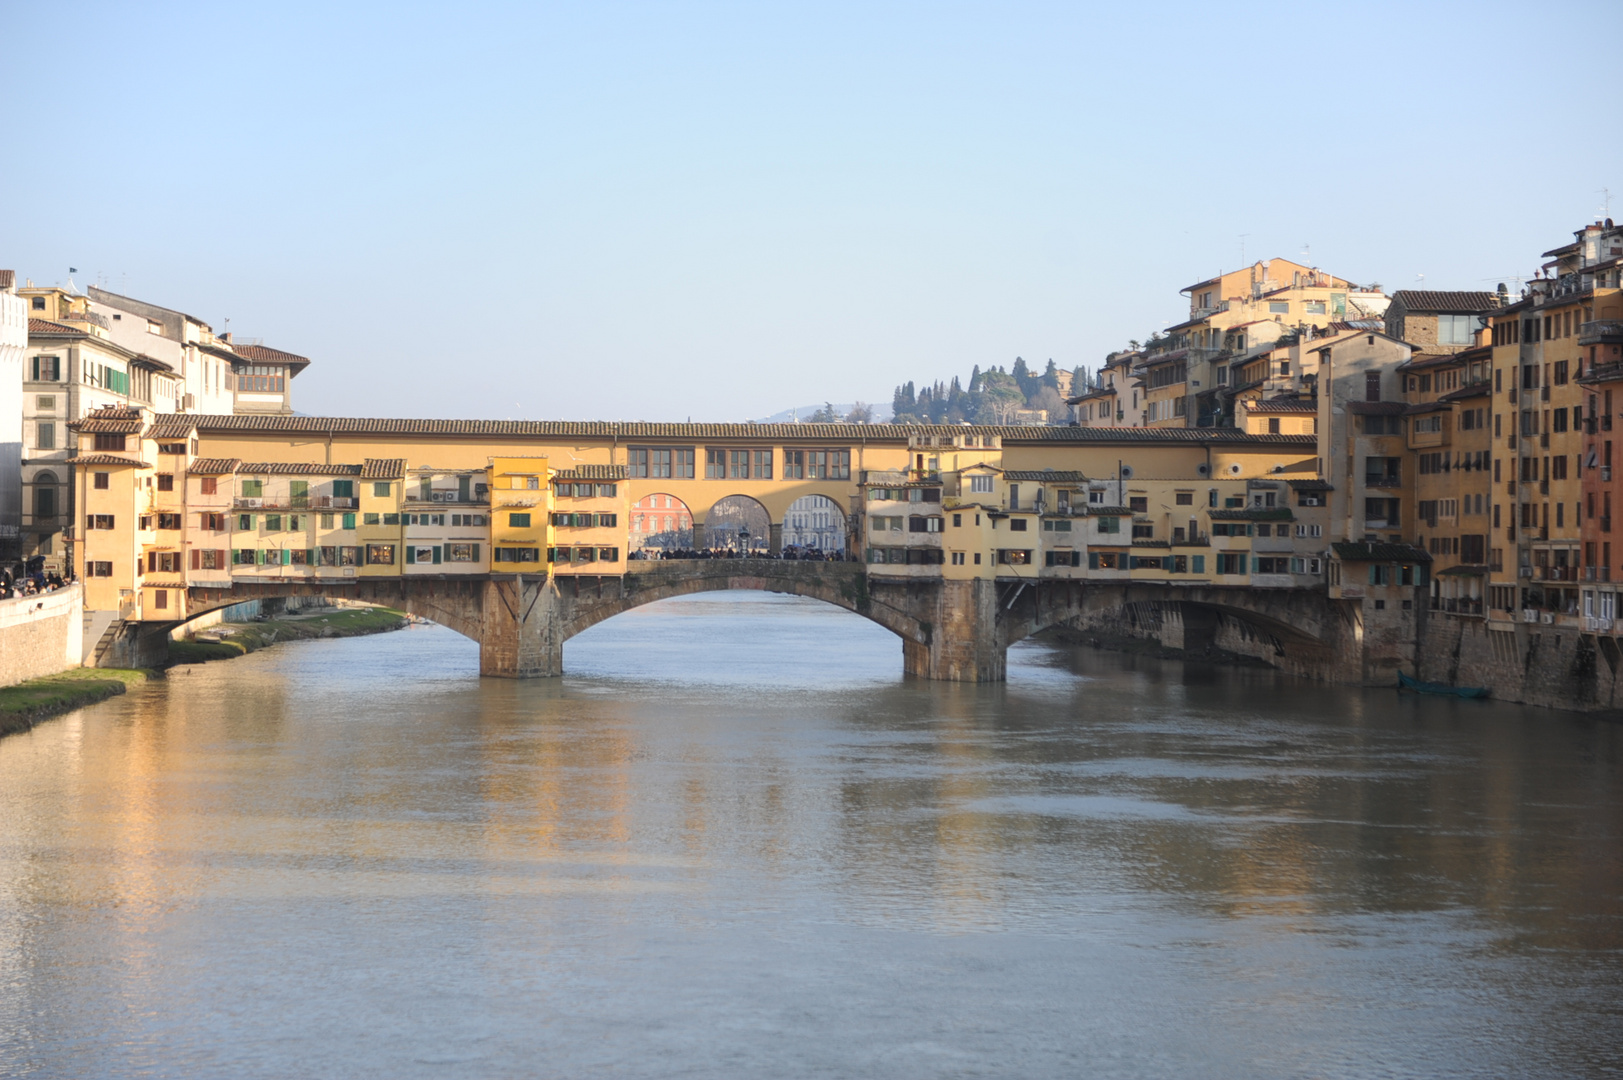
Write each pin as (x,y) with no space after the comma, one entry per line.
(85,317)
(1606,474)
(1383,481)
(1601,332)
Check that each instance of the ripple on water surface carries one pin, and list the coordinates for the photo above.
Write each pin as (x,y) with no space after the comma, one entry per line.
(736,841)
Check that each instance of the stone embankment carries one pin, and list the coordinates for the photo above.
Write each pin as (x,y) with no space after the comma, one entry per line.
(26,704)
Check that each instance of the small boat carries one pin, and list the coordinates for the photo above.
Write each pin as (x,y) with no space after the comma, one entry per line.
(1406,683)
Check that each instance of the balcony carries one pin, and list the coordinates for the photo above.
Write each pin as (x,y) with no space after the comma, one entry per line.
(1544,393)
(88,317)
(1383,480)
(1601,332)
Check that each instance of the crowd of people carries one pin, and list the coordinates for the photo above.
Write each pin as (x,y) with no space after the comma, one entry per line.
(790,553)
(28,579)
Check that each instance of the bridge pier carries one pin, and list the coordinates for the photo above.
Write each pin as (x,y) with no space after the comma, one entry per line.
(962,644)
(520,636)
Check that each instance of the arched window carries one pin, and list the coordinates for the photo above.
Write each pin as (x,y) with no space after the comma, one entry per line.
(44,495)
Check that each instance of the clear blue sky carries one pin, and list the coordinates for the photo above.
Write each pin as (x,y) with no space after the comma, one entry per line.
(652,211)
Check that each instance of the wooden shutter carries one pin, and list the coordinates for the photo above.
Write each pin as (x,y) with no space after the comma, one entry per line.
(436,554)
(476,553)
(197,559)
(220,562)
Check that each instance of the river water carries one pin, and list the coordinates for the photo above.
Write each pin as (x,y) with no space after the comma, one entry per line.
(735,841)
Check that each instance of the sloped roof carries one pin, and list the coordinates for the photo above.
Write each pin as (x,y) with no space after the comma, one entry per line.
(1265,513)
(592,472)
(1357,552)
(383,468)
(107,459)
(112,420)
(262,354)
(296,468)
(45,326)
(1310,485)
(1480,389)
(213,466)
(1281,405)
(1431,301)
(1051,476)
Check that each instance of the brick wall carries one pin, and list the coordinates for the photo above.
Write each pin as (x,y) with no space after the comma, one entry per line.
(40,635)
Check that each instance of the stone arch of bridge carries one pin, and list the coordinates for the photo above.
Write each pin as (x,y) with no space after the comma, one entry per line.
(1287,627)
(454,604)
(740,521)
(581,607)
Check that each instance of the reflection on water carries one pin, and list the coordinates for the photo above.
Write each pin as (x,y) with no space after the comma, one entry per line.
(735,841)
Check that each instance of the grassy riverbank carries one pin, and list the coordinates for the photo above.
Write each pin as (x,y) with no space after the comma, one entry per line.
(26,704)
(238,639)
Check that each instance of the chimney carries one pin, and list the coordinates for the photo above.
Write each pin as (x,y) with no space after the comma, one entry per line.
(226,337)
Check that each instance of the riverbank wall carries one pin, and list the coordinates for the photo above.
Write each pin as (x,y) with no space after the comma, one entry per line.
(1557,667)
(41,635)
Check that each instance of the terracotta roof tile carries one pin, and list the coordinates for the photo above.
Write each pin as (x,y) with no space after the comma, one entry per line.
(1050,476)
(261,354)
(383,468)
(1352,552)
(45,326)
(1281,405)
(213,466)
(1427,300)
(107,459)
(297,468)
(592,472)
(847,434)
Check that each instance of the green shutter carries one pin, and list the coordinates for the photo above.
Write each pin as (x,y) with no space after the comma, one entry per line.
(411,554)
(476,553)
(1254,564)
(1093,560)
(1199,563)
(436,554)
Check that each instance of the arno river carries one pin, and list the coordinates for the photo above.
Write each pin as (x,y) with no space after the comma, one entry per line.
(734,841)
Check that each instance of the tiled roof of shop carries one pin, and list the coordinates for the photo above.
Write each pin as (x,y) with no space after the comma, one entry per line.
(1426,407)
(1427,300)
(592,472)
(1350,552)
(213,466)
(1311,485)
(107,459)
(171,426)
(1265,513)
(111,419)
(1419,360)
(1288,405)
(383,468)
(296,468)
(1051,476)
(46,326)
(148,583)
(1107,511)
(278,424)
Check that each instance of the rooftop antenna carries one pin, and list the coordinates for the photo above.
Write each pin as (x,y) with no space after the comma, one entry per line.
(1242,248)
(1606,204)
(1421,280)
(1307,252)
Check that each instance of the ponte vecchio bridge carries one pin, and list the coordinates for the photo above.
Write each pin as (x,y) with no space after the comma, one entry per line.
(960,540)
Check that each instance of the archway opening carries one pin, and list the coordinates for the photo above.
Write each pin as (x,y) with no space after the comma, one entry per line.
(661,521)
(737,523)
(738,638)
(814,524)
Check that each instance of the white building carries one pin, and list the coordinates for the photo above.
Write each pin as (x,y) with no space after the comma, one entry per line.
(13,348)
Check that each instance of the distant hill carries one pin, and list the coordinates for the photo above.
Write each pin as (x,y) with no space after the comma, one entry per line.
(881,413)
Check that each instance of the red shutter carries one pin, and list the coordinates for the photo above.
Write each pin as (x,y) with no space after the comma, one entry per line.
(197,559)
(220,562)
